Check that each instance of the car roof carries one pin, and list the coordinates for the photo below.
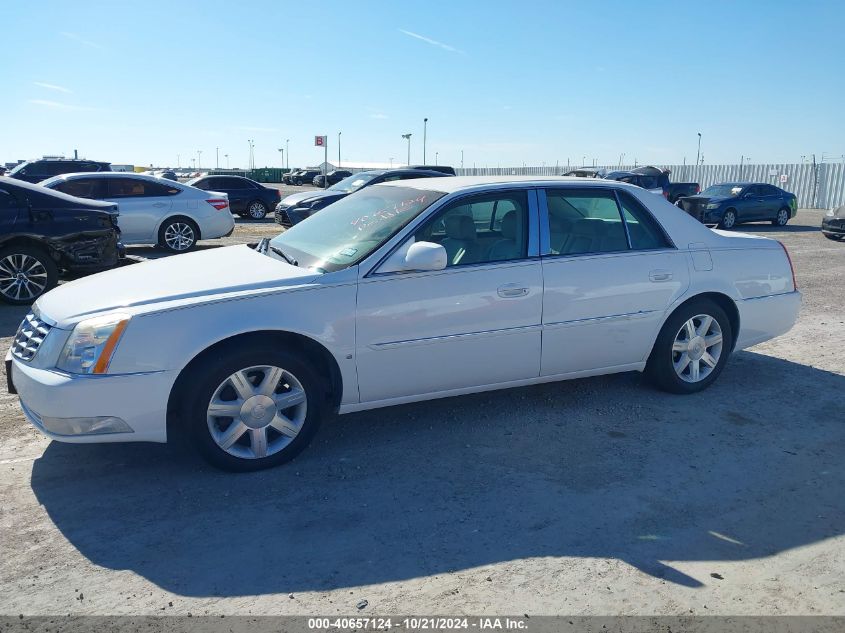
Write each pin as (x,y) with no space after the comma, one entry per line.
(451,184)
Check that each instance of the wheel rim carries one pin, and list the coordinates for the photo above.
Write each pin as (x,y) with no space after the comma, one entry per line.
(22,277)
(257,411)
(783,217)
(179,236)
(257,210)
(697,348)
(729,220)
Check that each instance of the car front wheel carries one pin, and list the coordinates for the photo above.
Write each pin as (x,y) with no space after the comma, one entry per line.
(728,220)
(253,408)
(26,273)
(691,349)
(781,218)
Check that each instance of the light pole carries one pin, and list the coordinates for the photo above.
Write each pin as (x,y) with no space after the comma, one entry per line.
(391,162)
(462,159)
(226,156)
(698,152)
(282,150)
(178,161)
(251,153)
(436,160)
(194,163)
(425,134)
(407,137)
(216,158)
(199,159)
(287,153)
(338,150)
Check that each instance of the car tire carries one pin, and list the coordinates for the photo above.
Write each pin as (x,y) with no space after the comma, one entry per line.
(782,217)
(250,440)
(297,182)
(688,370)
(728,220)
(178,235)
(26,273)
(256,210)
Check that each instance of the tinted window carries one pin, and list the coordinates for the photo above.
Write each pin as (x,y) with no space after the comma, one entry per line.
(770,190)
(642,227)
(482,229)
(584,222)
(234,183)
(94,188)
(648,182)
(135,187)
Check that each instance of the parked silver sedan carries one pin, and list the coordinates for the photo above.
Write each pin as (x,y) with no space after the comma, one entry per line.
(154,210)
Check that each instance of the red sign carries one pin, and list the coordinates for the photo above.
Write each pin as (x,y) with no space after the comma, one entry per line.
(319,141)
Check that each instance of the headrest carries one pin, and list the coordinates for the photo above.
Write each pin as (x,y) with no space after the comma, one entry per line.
(590,226)
(460,227)
(509,225)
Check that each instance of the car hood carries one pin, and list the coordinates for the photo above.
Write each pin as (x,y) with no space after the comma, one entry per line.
(172,282)
(296,199)
(706,199)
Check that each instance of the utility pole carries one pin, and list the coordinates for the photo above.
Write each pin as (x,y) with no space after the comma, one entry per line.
(178,161)
(338,150)
(698,152)
(199,159)
(425,134)
(436,160)
(282,150)
(217,158)
(407,137)
(462,159)
(226,156)
(287,153)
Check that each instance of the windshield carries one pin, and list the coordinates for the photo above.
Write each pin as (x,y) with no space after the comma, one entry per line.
(354,182)
(722,191)
(347,231)
(18,168)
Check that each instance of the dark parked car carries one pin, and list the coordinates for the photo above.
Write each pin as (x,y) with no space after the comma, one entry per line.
(247,198)
(287,177)
(169,174)
(38,170)
(443,169)
(833,224)
(731,203)
(298,206)
(304,176)
(333,177)
(682,190)
(44,231)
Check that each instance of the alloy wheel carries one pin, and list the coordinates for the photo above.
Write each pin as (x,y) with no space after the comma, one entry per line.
(257,211)
(22,277)
(697,348)
(257,411)
(179,236)
(783,217)
(729,219)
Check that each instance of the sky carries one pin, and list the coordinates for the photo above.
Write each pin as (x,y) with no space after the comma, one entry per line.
(507,83)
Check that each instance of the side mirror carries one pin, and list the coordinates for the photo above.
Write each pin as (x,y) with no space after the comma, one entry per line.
(419,256)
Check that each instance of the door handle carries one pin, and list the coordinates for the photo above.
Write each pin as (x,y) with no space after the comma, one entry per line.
(660,275)
(510,291)
(159,204)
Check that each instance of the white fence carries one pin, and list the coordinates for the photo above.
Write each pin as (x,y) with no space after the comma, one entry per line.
(817,187)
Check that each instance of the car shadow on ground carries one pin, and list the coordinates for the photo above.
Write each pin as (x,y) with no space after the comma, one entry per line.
(602,467)
(760,227)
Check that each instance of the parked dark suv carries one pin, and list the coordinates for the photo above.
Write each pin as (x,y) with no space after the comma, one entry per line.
(38,170)
(44,231)
(333,177)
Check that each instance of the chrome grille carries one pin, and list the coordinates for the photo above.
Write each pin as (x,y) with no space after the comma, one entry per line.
(29,337)
(282,217)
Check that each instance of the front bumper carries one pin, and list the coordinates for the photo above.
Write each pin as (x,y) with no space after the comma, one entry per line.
(139,400)
(833,226)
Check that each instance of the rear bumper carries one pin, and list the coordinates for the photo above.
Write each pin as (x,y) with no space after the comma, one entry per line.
(219,225)
(764,318)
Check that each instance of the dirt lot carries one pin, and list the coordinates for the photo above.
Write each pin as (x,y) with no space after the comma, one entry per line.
(594,496)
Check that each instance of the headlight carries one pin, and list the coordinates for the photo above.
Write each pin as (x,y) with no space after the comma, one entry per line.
(712,205)
(92,343)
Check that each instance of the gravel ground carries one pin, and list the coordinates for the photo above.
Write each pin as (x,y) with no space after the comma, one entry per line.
(593,496)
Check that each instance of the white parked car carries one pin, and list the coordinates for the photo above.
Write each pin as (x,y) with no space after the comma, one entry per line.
(400,292)
(154,210)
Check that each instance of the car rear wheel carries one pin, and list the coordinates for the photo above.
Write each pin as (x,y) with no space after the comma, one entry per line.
(691,349)
(26,273)
(178,235)
(728,220)
(253,408)
(257,210)
(781,218)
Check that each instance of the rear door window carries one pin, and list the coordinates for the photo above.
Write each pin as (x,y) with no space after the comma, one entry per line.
(92,188)
(584,221)
(137,188)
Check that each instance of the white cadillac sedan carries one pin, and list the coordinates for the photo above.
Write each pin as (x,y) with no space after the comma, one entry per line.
(154,210)
(400,292)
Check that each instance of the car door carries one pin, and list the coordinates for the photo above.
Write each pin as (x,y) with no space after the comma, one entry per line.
(774,200)
(142,204)
(751,204)
(474,323)
(610,273)
(240,193)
